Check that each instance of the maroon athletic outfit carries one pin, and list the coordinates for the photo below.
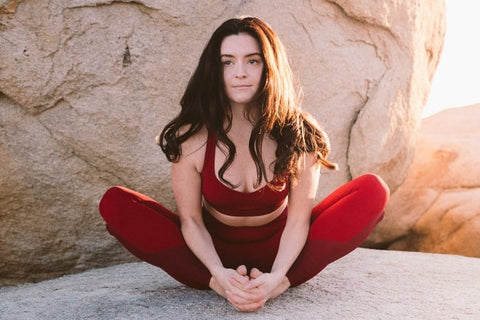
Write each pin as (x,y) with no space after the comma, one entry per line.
(339,224)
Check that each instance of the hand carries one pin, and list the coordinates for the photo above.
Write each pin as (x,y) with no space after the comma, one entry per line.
(267,285)
(260,288)
(229,284)
(244,300)
(229,280)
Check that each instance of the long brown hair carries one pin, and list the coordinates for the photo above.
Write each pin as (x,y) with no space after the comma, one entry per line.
(205,103)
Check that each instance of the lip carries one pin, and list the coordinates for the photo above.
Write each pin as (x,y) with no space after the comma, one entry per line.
(243,86)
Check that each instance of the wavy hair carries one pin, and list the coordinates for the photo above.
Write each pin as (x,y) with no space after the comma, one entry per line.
(205,103)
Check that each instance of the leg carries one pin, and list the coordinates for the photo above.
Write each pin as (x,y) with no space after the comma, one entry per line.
(340,223)
(152,233)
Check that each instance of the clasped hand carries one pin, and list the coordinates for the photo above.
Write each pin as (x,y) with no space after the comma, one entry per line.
(248,292)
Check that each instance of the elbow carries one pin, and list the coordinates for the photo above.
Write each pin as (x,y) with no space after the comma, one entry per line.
(299,226)
(187,224)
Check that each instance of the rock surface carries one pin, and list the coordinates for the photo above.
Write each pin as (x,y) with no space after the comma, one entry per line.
(437,208)
(86,85)
(367,284)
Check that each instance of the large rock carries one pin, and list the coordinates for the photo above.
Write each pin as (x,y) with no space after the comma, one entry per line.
(88,84)
(365,285)
(437,208)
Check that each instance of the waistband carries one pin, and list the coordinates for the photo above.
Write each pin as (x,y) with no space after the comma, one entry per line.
(226,233)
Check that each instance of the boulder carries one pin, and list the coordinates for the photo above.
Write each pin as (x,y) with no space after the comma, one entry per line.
(367,284)
(437,208)
(86,85)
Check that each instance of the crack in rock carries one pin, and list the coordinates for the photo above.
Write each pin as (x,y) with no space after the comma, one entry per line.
(364,21)
(98,3)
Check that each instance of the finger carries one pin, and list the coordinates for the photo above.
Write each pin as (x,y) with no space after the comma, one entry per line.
(254,283)
(238,281)
(243,297)
(240,296)
(238,301)
(251,306)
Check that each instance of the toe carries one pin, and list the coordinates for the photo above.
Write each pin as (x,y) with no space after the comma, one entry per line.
(255,273)
(242,270)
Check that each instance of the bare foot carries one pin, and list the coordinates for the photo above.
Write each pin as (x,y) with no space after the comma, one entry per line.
(242,270)
(282,287)
(255,273)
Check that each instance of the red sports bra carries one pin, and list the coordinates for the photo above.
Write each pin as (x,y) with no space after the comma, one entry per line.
(231,202)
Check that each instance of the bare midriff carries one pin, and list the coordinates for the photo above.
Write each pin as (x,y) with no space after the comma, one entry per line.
(251,221)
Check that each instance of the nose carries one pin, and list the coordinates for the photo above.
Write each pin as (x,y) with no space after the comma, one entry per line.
(240,71)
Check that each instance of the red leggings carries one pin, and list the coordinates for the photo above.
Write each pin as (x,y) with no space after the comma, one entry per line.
(339,224)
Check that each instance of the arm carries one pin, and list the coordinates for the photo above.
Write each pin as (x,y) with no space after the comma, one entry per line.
(300,203)
(186,182)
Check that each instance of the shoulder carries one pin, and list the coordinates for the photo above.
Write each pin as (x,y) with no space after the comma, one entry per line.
(193,149)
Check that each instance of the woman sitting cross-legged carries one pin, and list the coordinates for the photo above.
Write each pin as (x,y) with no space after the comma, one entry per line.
(245,171)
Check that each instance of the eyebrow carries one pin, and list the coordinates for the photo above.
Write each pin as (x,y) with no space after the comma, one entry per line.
(247,56)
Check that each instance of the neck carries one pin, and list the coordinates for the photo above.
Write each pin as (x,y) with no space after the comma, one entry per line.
(239,115)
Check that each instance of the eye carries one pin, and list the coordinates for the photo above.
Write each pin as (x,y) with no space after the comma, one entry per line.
(253,61)
(227,62)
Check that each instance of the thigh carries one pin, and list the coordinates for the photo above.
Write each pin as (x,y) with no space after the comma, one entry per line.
(140,220)
(340,224)
(349,209)
(152,233)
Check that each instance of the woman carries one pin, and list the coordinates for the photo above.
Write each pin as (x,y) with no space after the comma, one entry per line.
(245,169)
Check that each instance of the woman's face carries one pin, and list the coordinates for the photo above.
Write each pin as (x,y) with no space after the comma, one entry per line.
(242,68)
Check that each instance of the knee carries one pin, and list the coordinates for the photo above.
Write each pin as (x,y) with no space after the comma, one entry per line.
(121,193)
(115,193)
(112,197)
(375,188)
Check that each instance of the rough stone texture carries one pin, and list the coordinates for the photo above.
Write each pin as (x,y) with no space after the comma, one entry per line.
(86,85)
(437,208)
(367,284)
(8,6)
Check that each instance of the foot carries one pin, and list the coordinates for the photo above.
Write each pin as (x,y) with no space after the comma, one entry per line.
(255,273)
(242,270)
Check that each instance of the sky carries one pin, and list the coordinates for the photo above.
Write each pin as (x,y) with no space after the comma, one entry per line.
(457,79)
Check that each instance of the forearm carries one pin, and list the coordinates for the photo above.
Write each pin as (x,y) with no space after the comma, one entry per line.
(291,244)
(198,239)
(300,204)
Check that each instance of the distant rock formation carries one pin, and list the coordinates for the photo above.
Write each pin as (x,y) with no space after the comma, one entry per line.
(437,208)
(86,85)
